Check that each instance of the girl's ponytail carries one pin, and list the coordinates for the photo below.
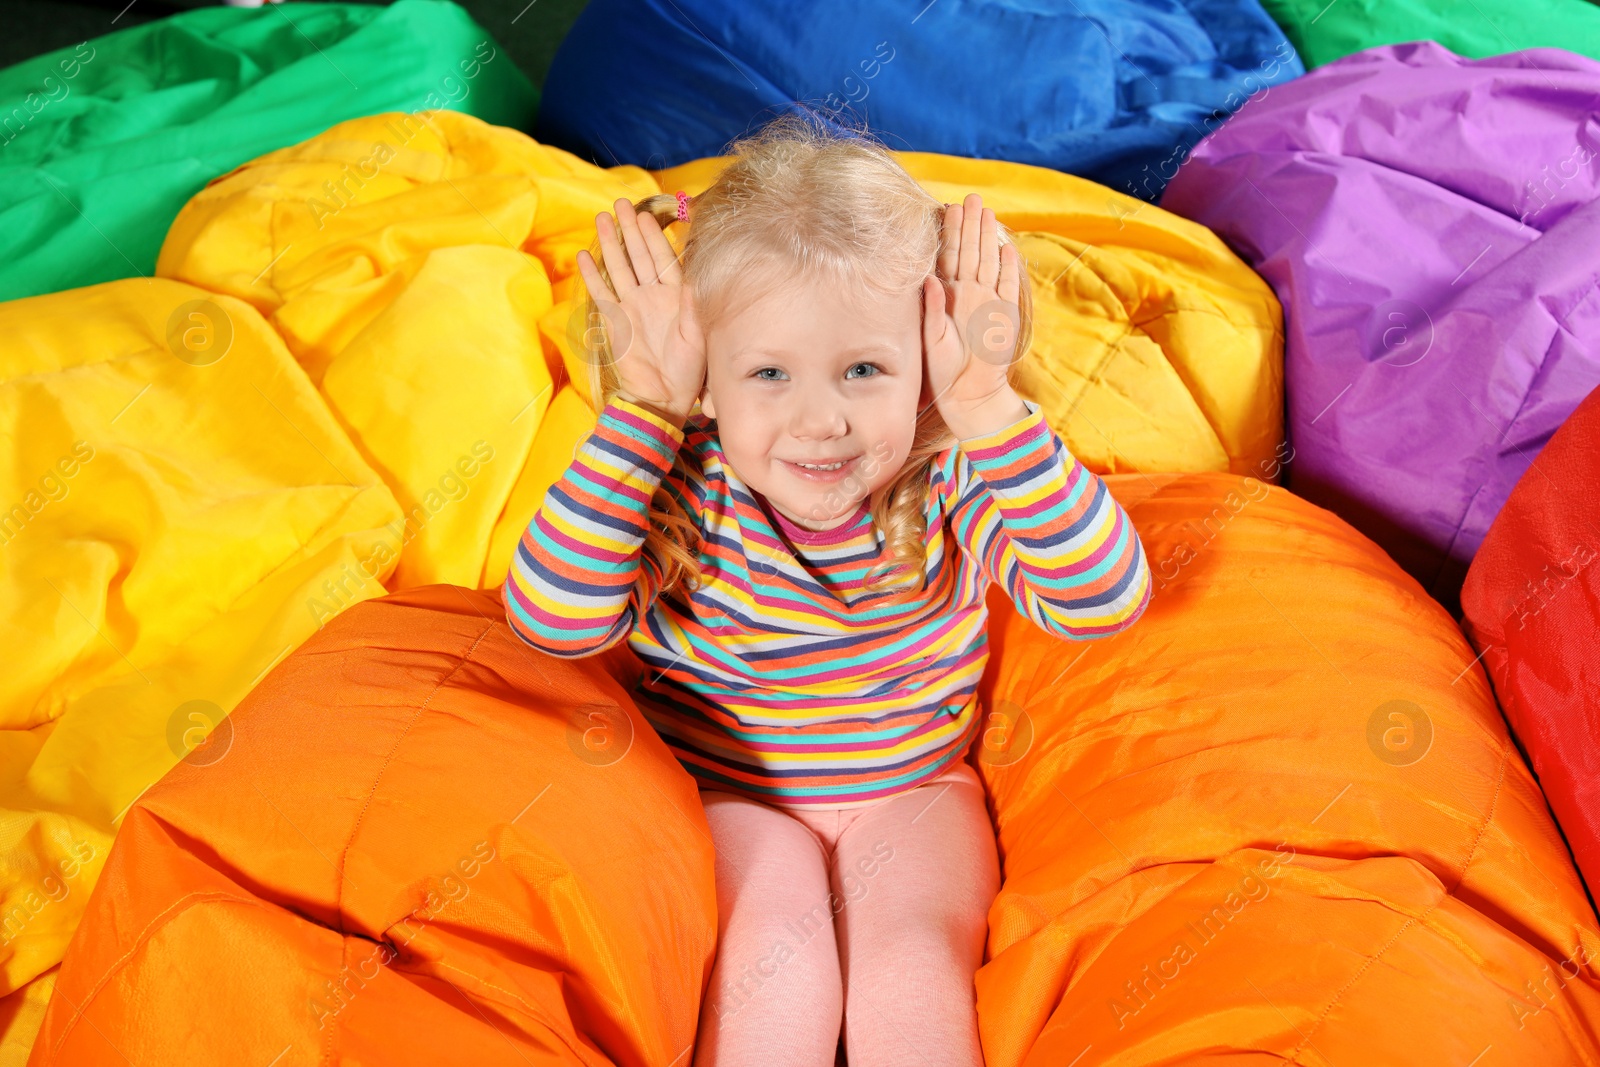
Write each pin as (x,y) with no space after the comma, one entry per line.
(664,206)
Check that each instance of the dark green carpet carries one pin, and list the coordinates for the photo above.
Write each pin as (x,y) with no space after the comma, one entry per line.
(529,32)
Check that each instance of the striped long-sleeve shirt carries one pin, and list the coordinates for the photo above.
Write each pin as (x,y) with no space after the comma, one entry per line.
(780,678)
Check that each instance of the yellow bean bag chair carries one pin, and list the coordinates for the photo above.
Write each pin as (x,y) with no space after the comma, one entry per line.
(1278,819)
(421,268)
(21,1015)
(180,511)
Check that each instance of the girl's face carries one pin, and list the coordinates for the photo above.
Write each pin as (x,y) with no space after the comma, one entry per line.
(813,374)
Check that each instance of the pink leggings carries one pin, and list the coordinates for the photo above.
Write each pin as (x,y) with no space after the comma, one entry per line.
(873,916)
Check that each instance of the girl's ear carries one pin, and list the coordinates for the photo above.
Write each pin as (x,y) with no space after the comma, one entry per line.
(932,309)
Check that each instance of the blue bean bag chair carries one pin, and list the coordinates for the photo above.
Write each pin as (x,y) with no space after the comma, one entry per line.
(1113,90)
(1430,224)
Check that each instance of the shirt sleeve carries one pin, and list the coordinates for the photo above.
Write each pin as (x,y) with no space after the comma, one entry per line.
(1046,529)
(579,578)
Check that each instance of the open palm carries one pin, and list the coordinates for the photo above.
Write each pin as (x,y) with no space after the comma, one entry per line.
(972,318)
(649,314)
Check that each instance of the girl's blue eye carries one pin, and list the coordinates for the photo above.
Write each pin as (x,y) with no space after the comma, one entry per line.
(760,374)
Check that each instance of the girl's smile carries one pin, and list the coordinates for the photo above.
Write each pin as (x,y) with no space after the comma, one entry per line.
(826,471)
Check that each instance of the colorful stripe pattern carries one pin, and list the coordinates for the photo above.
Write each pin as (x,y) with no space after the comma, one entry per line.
(781,678)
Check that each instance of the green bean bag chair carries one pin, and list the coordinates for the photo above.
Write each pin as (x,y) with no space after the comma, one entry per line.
(1322,32)
(102,143)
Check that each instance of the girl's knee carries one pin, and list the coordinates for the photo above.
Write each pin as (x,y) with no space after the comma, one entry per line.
(805,977)
(949,948)
(776,973)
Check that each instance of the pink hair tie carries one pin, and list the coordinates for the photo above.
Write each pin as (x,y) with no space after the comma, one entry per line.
(683,206)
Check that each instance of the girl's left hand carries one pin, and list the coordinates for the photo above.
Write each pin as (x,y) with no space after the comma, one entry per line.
(969,334)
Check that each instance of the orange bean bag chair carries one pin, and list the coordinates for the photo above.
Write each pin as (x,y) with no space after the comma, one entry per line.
(414,842)
(1278,819)
(1532,608)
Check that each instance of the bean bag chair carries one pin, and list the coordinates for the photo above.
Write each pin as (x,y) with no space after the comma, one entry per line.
(104,141)
(178,510)
(1531,605)
(1277,768)
(431,308)
(21,1015)
(1323,32)
(425,844)
(1277,820)
(1155,347)
(1429,223)
(1109,90)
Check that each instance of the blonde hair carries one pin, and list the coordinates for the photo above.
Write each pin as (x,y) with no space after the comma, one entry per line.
(801,196)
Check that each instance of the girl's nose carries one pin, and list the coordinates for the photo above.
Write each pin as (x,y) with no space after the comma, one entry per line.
(817,419)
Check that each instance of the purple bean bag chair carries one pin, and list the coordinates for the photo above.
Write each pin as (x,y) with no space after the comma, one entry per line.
(1431,225)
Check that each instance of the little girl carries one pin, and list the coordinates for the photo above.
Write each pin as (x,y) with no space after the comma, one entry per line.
(801,564)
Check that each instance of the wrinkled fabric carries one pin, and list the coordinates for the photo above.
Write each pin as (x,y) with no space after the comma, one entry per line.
(424,843)
(1323,32)
(429,304)
(178,502)
(21,1015)
(1430,224)
(1277,820)
(101,143)
(1098,88)
(1531,606)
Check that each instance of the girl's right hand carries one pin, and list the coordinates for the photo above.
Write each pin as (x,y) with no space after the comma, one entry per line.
(656,339)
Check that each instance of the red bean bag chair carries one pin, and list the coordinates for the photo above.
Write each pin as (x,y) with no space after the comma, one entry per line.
(1532,609)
